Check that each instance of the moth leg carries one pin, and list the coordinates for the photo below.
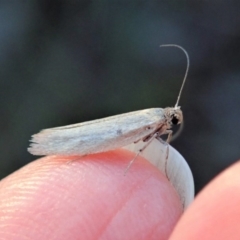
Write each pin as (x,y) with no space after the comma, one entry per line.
(169,138)
(155,135)
(145,139)
(169,132)
(167,154)
(148,137)
(137,141)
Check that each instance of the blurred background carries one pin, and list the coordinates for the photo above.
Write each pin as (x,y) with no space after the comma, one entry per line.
(65,62)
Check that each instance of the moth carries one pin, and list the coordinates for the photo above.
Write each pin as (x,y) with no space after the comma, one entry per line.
(112,132)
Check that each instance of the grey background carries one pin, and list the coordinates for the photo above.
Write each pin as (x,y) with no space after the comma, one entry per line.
(63,62)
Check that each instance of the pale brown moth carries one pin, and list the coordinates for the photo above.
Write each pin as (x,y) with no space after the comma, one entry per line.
(111,132)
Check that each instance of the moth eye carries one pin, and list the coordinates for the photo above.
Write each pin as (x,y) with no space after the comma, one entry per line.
(175,120)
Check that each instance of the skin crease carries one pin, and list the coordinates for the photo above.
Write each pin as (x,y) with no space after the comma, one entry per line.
(88,198)
(215,213)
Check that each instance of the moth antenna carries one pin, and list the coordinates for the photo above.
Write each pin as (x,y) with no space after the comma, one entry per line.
(186,72)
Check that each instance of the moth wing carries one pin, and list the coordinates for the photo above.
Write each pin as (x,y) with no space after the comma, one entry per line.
(98,135)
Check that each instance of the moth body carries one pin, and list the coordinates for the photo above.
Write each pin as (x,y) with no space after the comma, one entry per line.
(105,134)
(109,133)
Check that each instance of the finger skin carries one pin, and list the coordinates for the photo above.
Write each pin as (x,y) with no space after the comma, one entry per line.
(88,198)
(215,214)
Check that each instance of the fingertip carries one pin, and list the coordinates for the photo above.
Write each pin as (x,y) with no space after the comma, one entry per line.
(215,213)
(89,197)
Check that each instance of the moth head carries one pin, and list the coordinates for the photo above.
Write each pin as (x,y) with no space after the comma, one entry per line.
(174,115)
